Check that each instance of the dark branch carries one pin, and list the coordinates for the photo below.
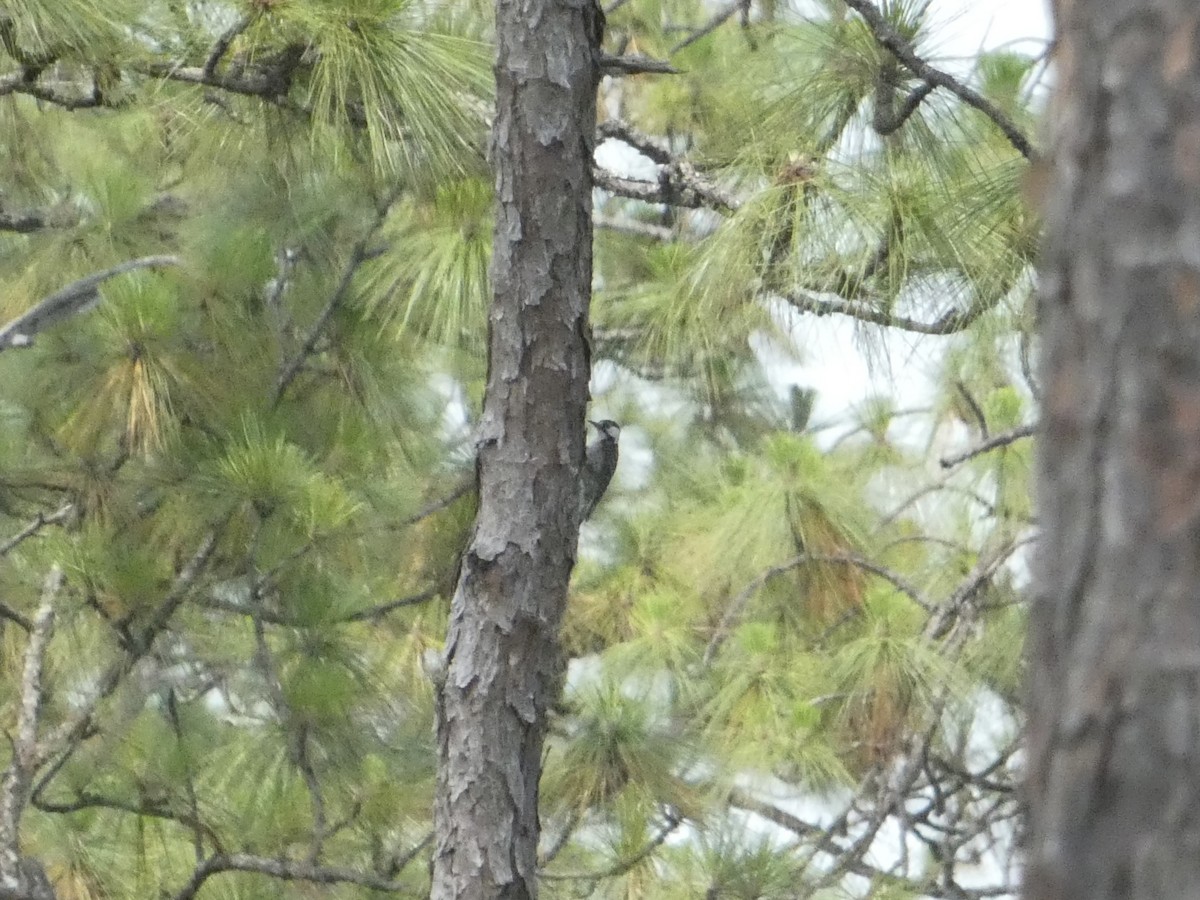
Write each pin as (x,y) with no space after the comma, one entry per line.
(887,122)
(624,865)
(221,46)
(378,612)
(678,185)
(359,255)
(77,297)
(650,147)
(19,83)
(890,39)
(973,406)
(993,443)
(271,617)
(285,870)
(84,800)
(950,323)
(79,722)
(720,17)
(31,220)
(39,522)
(635,65)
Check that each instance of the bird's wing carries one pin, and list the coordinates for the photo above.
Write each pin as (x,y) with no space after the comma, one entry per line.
(75,297)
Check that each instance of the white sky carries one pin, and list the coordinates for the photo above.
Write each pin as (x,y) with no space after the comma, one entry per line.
(974,25)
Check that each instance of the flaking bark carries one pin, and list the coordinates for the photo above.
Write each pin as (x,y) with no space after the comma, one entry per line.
(502,658)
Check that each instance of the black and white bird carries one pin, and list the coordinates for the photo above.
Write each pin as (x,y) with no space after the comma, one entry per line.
(599,464)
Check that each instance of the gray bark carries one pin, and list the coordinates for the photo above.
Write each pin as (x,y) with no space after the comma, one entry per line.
(502,657)
(1114,731)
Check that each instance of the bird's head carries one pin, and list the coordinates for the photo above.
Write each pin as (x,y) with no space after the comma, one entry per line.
(607,428)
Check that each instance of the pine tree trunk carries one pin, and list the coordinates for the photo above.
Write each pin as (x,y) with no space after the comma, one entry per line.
(1114,732)
(503,667)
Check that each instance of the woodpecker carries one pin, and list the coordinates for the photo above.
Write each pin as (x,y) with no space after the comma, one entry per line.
(599,464)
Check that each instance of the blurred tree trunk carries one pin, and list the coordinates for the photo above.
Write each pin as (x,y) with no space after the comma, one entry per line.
(502,649)
(1114,733)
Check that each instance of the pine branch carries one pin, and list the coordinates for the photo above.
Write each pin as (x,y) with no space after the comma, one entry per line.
(886,122)
(737,606)
(620,867)
(635,64)
(951,611)
(271,617)
(75,298)
(378,612)
(950,322)
(16,782)
(634,227)
(574,819)
(652,148)
(285,870)
(993,443)
(719,18)
(974,407)
(889,795)
(358,255)
(678,185)
(19,83)
(298,751)
(399,862)
(221,46)
(67,736)
(145,809)
(270,80)
(891,40)
(40,521)
(733,612)
(30,220)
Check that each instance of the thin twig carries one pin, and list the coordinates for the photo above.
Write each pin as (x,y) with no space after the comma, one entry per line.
(40,521)
(624,865)
(466,486)
(634,227)
(299,749)
(677,185)
(721,16)
(358,256)
(635,64)
(86,800)
(948,612)
(733,612)
(652,148)
(378,612)
(951,322)
(561,840)
(399,863)
(993,443)
(79,722)
(271,617)
(285,870)
(973,406)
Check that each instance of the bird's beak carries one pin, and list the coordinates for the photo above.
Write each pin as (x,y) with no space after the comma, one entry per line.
(595,425)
